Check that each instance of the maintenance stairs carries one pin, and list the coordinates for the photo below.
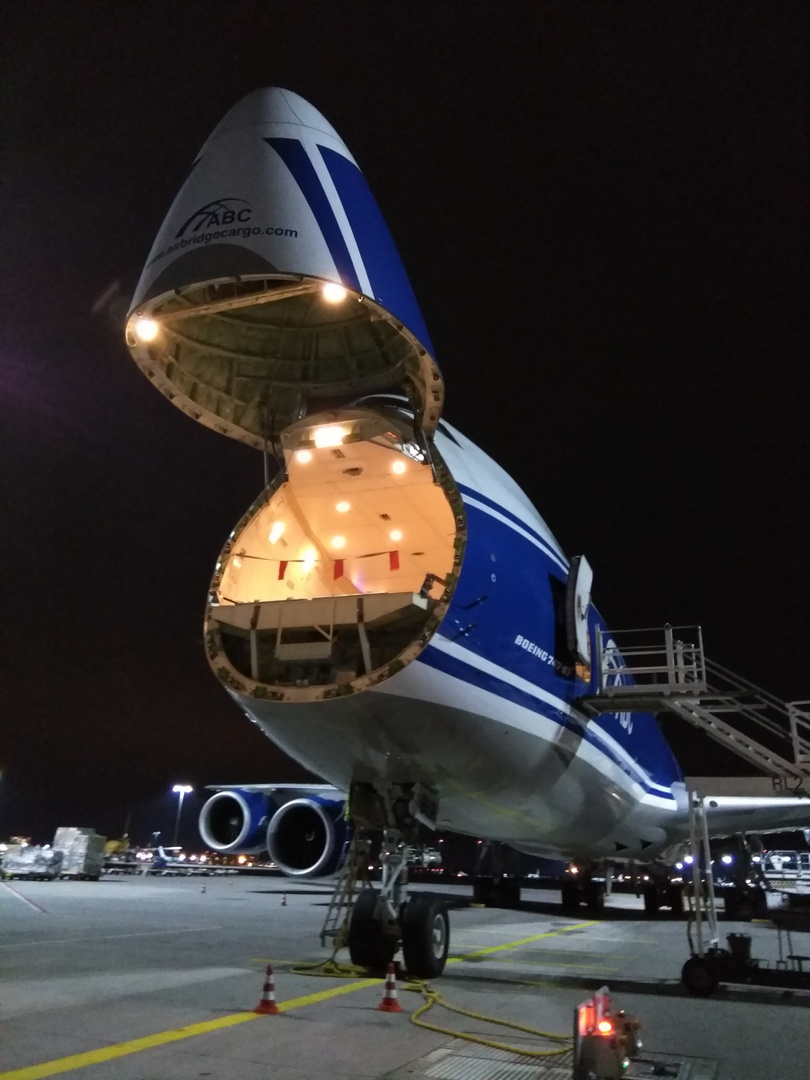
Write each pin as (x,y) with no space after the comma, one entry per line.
(352,877)
(664,669)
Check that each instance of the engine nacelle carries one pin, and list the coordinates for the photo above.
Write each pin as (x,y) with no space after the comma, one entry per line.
(235,822)
(306,838)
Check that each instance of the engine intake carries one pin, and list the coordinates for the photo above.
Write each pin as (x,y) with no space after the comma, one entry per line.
(306,838)
(234,822)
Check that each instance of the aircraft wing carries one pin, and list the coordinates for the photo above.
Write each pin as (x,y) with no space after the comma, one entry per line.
(730,814)
(288,791)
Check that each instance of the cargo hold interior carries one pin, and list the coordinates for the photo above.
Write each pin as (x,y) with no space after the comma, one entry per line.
(345,565)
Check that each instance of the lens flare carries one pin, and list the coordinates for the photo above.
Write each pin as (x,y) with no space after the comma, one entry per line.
(329,436)
(146,329)
(333,292)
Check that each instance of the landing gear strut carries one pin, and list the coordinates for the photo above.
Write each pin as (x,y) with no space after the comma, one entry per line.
(660,891)
(384,918)
(499,887)
(585,884)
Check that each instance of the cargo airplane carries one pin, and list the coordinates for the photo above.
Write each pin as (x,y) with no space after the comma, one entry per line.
(392,610)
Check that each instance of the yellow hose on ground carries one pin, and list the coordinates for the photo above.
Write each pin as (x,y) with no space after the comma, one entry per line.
(433,997)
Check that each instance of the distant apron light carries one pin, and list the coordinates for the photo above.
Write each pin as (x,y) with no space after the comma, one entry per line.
(329,436)
(334,293)
(146,329)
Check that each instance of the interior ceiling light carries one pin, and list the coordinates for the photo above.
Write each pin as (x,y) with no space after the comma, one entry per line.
(237,562)
(338,541)
(398,467)
(333,292)
(309,559)
(276,531)
(146,329)
(342,507)
(303,456)
(395,534)
(329,436)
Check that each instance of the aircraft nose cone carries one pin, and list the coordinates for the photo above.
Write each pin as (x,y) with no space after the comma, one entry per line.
(271,106)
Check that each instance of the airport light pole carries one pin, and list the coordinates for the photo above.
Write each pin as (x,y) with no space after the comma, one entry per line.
(182,790)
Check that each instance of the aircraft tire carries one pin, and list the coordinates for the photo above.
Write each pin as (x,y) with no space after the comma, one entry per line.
(594,897)
(699,977)
(731,904)
(569,895)
(651,900)
(425,936)
(369,947)
(676,899)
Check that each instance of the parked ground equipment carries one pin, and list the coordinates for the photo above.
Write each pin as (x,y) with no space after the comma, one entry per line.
(710,963)
(82,852)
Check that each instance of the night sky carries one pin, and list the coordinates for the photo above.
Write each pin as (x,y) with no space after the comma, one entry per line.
(603,210)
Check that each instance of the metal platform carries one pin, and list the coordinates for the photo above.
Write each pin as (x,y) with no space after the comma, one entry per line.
(665,669)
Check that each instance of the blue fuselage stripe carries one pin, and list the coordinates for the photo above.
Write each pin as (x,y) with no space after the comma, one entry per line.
(471,675)
(493,505)
(507,614)
(295,157)
(389,281)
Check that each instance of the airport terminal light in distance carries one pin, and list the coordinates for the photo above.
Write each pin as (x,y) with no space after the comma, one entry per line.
(182,790)
(430,664)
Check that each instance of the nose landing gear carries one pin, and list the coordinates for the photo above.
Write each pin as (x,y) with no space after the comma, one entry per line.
(384,919)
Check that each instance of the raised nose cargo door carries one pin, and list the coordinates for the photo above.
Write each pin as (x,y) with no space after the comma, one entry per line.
(274,289)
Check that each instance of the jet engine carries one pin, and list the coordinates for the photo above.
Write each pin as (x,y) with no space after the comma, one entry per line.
(306,838)
(235,821)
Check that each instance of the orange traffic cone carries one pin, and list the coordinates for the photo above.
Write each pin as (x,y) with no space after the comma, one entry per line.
(389,1002)
(267,1005)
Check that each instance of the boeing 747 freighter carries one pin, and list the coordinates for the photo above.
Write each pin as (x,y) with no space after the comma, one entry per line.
(392,610)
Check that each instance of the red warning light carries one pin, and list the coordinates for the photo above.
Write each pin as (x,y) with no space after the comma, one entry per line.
(604,1027)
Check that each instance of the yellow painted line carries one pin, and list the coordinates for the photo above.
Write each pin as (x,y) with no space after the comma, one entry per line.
(324,995)
(521,941)
(148,1042)
(554,964)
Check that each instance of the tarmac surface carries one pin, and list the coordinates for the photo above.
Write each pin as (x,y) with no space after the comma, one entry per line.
(155,978)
